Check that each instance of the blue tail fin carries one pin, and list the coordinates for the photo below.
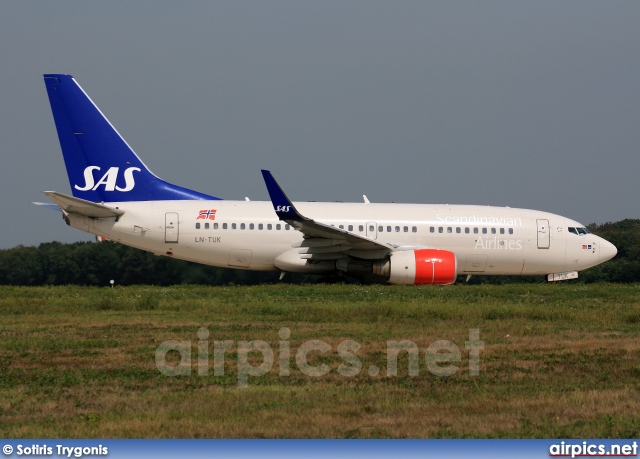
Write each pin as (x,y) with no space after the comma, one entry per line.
(100,164)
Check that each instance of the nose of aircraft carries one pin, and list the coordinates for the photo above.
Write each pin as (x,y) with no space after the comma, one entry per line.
(607,250)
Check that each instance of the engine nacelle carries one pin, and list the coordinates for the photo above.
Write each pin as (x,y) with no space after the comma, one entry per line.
(422,266)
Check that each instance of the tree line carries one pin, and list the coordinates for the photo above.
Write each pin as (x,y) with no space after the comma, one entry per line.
(89,263)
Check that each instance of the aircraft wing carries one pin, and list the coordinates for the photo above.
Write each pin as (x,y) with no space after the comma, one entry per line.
(72,205)
(322,241)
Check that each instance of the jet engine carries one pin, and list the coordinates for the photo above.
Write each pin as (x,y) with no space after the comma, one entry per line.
(418,267)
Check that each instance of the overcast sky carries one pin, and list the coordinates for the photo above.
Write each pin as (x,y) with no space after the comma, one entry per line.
(532,104)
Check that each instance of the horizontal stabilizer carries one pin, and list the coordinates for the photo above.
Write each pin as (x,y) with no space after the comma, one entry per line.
(48,205)
(79,206)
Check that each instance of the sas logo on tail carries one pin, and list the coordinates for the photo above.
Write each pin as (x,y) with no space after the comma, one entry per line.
(109,179)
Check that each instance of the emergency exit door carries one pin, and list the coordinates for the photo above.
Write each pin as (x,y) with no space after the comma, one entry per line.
(372,230)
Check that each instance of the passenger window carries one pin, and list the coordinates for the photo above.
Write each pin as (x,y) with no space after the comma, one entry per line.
(341,226)
(414,229)
(260,226)
(372,228)
(380,229)
(242,226)
(484,230)
(440,229)
(510,230)
(278,226)
(251,226)
(467,230)
(397,229)
(388,229)
(350,227)
(197,225)
(406,229)
(224,226)
(206,226)
(501,230)
(215,226)
(493,231)
(475,230)
(432,230)
(449,230)
(361,228)
(233,226)
(287,227)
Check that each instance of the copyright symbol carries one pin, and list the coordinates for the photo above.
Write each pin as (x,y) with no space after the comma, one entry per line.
(7,449)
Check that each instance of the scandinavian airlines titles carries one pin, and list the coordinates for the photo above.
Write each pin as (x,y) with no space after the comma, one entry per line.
(498,243)
(488,242)
(474,219)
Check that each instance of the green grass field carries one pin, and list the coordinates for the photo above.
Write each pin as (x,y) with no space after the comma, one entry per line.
(559,360)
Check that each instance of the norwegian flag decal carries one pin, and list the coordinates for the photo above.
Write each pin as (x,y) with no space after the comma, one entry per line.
(207,215)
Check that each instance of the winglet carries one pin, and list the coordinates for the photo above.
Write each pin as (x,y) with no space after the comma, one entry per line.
(285,210)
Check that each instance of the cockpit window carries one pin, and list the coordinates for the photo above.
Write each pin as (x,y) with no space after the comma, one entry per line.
(579,230)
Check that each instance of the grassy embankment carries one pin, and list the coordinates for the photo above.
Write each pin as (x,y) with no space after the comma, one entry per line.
(558,361)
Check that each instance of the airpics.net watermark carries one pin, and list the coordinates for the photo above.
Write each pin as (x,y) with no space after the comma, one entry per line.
(439,357)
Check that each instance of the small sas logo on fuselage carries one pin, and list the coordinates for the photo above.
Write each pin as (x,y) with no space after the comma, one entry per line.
(207,215)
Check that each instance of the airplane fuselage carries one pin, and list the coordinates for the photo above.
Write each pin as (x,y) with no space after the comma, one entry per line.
(248,235)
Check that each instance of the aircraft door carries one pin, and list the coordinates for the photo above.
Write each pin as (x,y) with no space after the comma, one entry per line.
(171,227)
(372,230)
(544,235)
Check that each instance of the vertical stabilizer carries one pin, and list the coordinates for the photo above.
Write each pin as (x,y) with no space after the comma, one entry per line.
(100,164)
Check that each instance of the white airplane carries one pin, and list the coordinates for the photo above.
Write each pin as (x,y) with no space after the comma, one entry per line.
(115,196)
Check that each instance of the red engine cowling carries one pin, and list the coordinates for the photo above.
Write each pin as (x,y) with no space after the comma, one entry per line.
(423,266)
